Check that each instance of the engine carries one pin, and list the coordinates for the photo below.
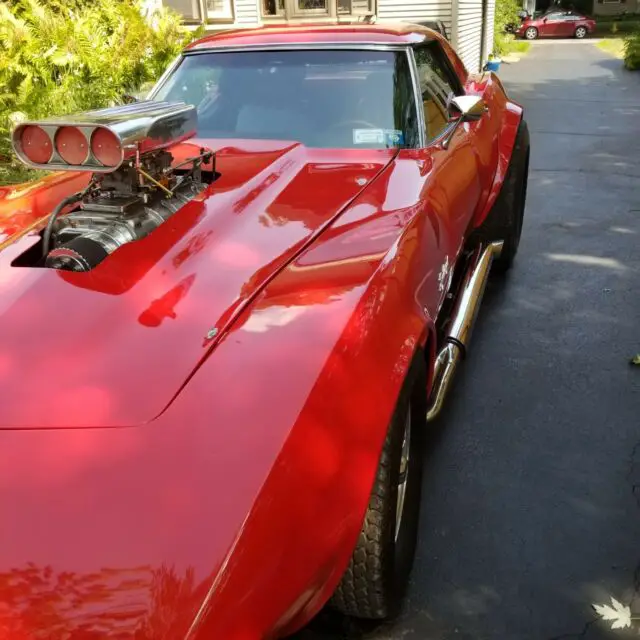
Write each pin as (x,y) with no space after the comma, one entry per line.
(118,208)
(135,186)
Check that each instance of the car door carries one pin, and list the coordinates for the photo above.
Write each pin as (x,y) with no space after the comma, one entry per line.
(552,24)
(454,186)
(572,20)
(566,26)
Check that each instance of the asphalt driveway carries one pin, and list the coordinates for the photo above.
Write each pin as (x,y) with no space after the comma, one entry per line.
(529,513)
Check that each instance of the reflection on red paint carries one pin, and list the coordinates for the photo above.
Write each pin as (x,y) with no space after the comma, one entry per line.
(164,307)
(144,603)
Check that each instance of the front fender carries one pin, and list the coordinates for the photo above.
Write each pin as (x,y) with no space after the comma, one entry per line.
(491,88)
(333,335)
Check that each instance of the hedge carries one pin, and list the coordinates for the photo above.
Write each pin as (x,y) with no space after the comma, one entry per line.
(632,51)
(62,56)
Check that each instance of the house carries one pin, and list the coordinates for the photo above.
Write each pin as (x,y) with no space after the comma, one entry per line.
(615,7)
(469,23)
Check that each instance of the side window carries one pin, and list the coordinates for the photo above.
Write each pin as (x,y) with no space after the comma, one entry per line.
(437,87)
(555,17)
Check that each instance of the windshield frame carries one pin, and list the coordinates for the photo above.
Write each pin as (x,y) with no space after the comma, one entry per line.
(308,46)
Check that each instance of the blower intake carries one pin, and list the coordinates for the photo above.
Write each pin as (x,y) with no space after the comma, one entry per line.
(135,186)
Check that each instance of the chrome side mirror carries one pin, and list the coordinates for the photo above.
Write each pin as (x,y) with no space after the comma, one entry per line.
(464,109)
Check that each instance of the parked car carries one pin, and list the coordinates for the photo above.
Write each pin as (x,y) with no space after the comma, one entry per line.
(227,322)
(565,24)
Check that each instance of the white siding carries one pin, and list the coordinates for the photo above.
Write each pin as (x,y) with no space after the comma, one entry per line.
(491,14)
(415,11)
(467,32)
(247,12)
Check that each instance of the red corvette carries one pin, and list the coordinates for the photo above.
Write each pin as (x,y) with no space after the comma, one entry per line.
(226,323)
(563,24)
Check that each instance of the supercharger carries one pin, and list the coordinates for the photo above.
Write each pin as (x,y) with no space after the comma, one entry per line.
(135,186)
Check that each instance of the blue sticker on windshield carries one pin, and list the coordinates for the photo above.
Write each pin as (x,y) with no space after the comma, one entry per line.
(393,137)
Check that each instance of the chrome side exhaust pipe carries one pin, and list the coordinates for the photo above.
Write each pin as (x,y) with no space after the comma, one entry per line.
(463,319)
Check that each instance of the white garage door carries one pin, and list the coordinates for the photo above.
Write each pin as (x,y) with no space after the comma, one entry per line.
(415,11)
(467,32)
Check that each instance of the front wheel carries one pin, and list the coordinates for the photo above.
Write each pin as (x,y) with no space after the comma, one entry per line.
(581,32)
(531,33)
(376,578)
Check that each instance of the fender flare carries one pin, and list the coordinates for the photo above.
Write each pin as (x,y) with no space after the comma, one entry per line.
(514,115)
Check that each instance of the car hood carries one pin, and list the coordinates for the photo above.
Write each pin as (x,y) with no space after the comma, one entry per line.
(114,346)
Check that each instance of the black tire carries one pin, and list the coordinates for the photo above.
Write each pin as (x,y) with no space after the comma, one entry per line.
(375,581)
(581,32)
(531,33)
(505,219)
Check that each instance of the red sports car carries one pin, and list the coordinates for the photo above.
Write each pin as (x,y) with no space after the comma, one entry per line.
(565,24)
(227,322)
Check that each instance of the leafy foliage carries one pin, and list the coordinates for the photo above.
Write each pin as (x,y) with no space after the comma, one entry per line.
(506,14)
(61,56)
(632,51)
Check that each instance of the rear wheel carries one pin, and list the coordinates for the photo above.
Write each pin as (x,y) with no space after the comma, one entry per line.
(531,33)
(374,583)
(581,32)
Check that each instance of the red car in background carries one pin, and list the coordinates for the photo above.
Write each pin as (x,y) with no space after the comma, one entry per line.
(562,24)
(227,323)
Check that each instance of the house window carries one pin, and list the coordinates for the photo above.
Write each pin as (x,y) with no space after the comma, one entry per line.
(272,7)
(355,6)
(311,5)
(295,9)
(219,10)
(191,10)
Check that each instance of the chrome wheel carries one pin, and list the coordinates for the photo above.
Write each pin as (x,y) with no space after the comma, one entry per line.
(581,32)
(531,33)
(404,472)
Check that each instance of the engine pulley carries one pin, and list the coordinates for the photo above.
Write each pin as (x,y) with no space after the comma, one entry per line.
(80,254)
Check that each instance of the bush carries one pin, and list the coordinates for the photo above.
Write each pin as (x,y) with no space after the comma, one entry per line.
(616,27)
(506,13)
(632,51)
(60,56)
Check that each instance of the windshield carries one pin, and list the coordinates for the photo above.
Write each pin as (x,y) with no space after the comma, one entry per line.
(352,99)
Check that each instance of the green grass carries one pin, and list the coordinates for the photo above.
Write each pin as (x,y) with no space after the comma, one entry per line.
(11,173)
(613,46)
(506,44)
(518,46)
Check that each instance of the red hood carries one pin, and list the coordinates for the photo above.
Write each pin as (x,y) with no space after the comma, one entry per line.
(113,347)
